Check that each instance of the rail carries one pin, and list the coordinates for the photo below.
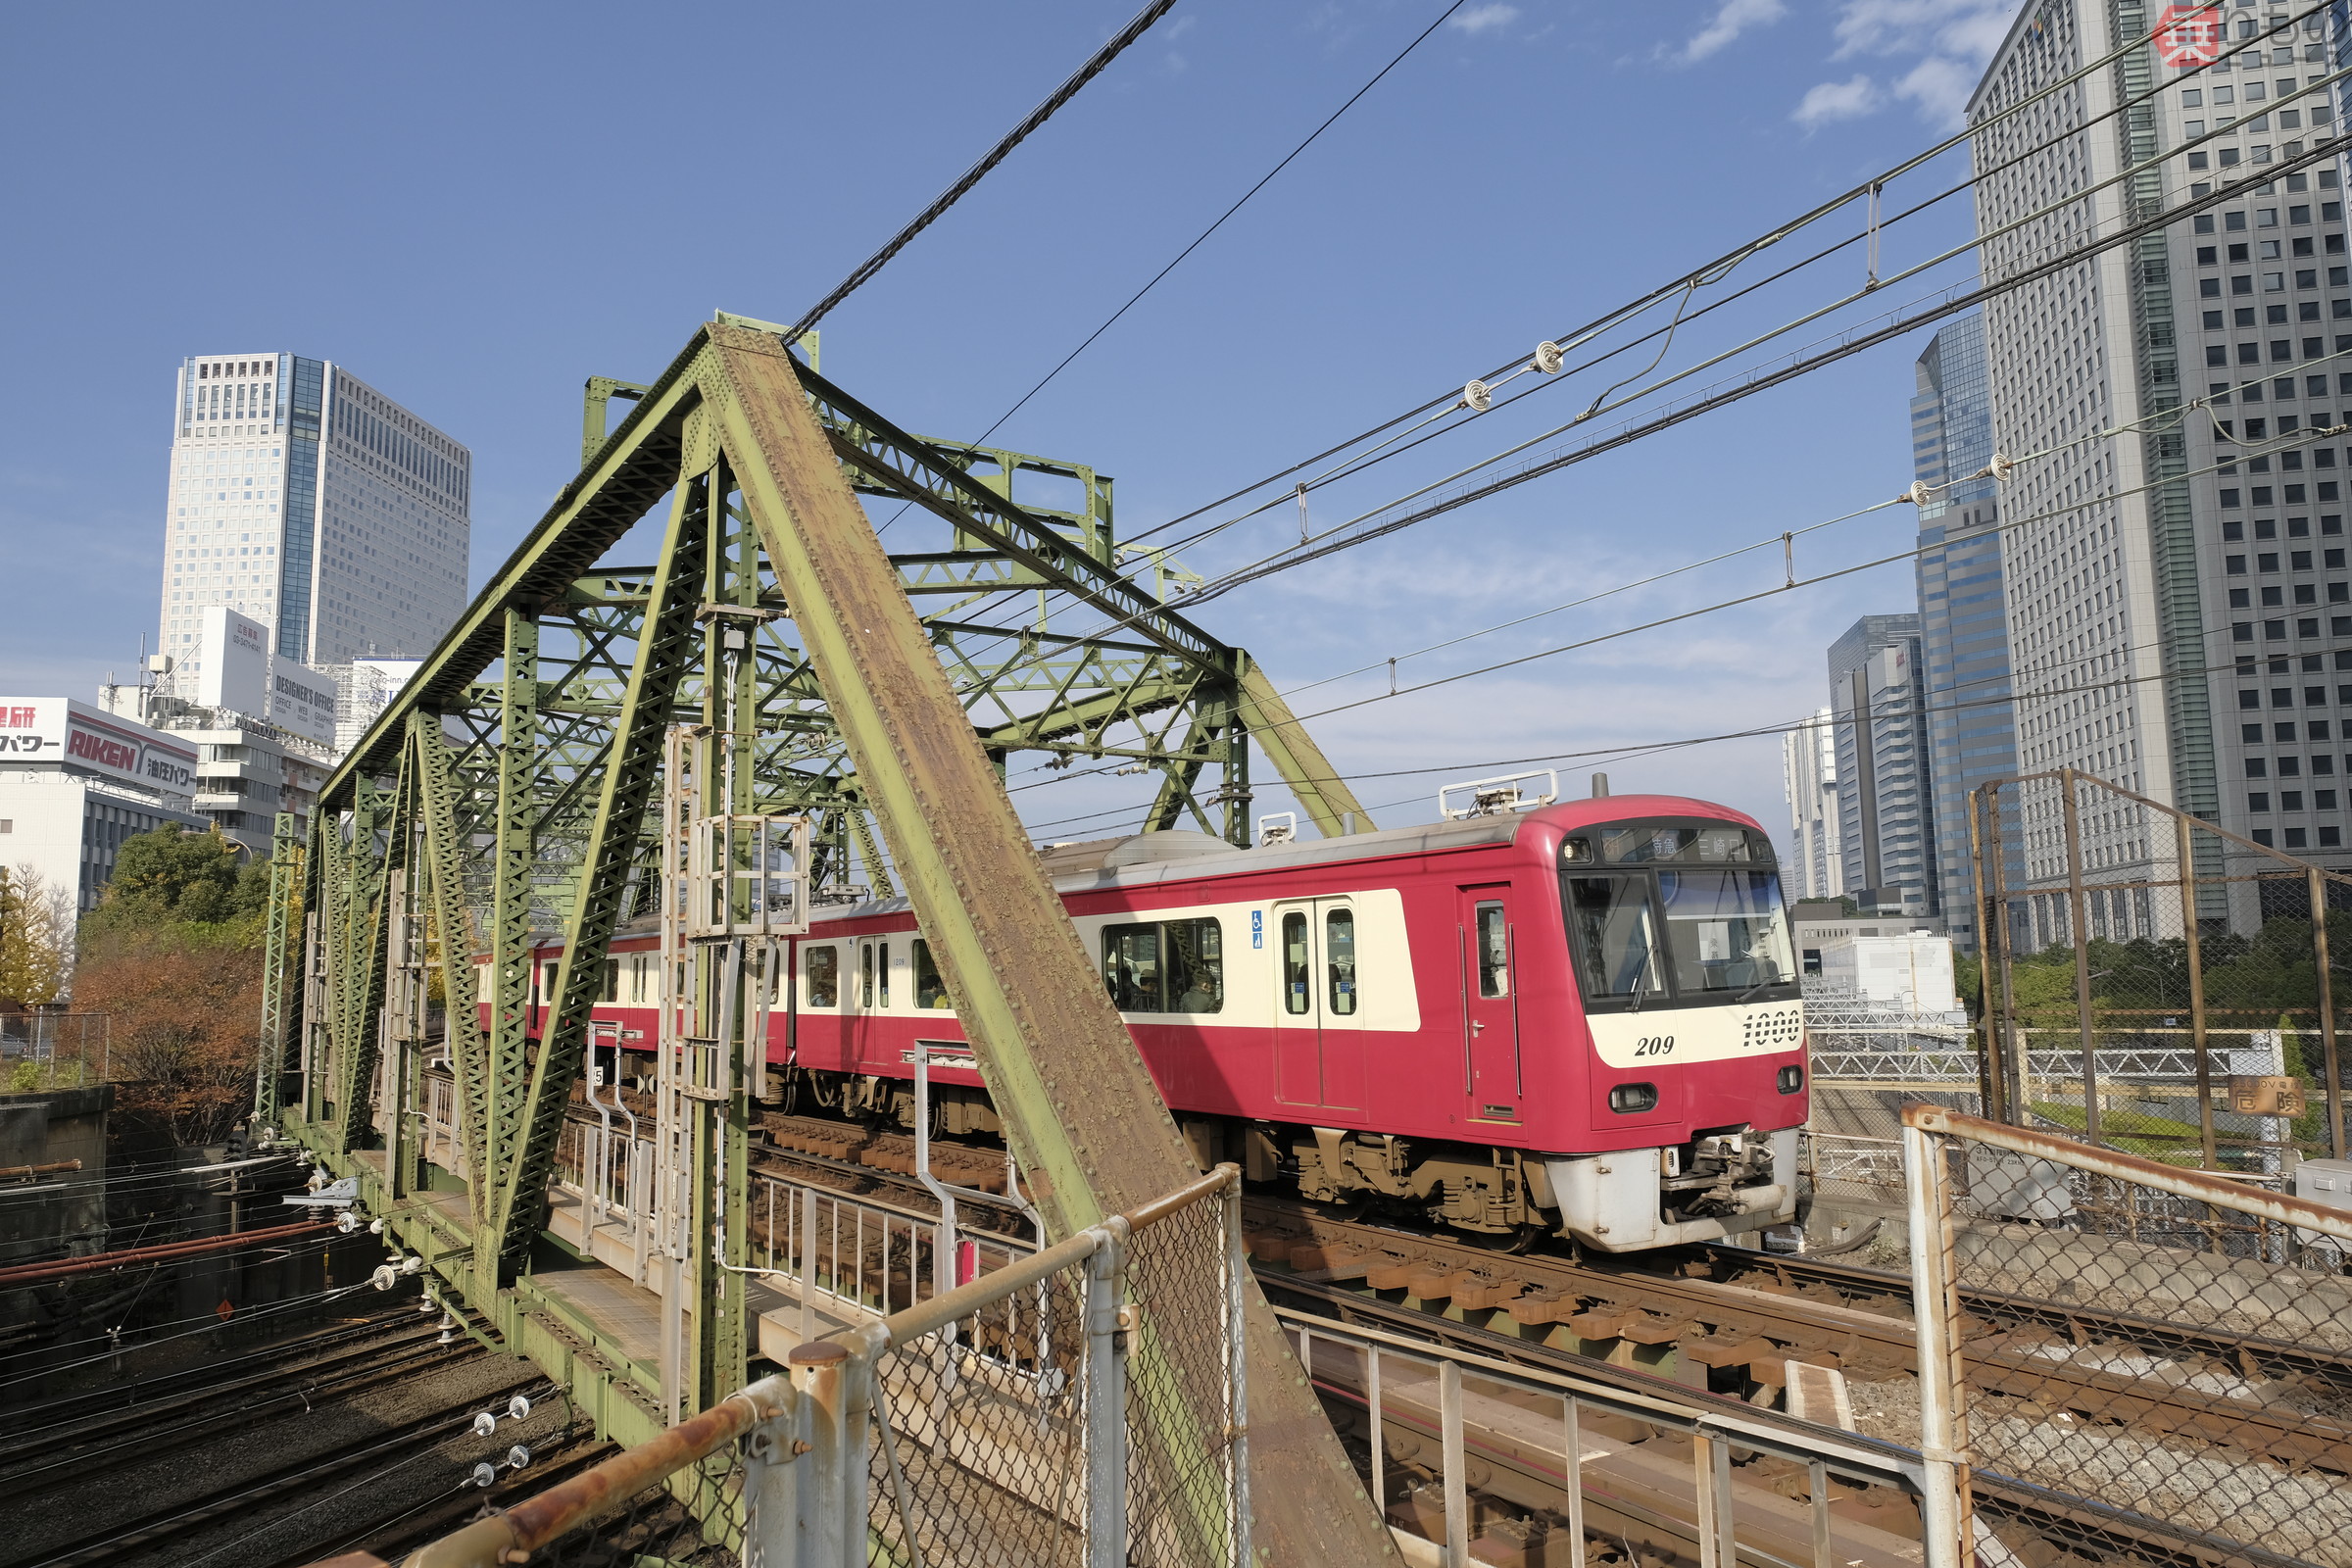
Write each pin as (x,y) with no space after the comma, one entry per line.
(1113,1355)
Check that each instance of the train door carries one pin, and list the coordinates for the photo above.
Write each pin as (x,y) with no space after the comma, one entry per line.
(1318,1041)
(869,996)
(1490,1003)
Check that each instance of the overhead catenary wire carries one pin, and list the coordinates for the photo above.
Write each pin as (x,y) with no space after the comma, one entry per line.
(1449,402)
(1900,326)
(1203,237)
(1135,27)
(1752,382)
(267,1309)
(2002,525)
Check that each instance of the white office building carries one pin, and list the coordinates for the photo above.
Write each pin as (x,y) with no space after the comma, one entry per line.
(2178,606)
(262,726)
(1816,865)
(306,500)
(76,781)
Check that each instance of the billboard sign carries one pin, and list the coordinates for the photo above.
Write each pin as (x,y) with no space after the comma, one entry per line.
(302,701)
(2188,36)
(233,662)
(60,732)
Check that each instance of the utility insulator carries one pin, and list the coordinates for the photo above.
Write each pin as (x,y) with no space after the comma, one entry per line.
(1548,358)
(1479,396)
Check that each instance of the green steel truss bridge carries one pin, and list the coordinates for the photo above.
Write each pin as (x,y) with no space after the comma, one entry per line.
(710,588)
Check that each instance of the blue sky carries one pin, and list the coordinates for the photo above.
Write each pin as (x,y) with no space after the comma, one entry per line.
(475,208)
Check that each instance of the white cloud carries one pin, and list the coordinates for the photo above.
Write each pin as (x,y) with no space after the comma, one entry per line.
(1949,42)
(1484,19)
(1940,86)
(1837,100)
(1731,19)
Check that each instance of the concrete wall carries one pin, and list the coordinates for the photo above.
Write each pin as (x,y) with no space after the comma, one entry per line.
(61,1214)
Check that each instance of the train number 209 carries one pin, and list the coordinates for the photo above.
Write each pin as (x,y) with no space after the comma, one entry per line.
(1655,1045)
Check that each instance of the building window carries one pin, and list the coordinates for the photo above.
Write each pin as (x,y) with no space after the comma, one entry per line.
(2262,836)
(2258,801)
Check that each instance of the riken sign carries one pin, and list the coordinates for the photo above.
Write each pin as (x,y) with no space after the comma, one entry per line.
(60,732)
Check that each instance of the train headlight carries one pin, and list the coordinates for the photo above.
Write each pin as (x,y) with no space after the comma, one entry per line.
(1791,1080)
(1627,1098)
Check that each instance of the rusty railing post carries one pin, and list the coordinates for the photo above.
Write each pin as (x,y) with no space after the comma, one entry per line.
(1992,940)
(2080,930)
(2194,955)
(2327,1005)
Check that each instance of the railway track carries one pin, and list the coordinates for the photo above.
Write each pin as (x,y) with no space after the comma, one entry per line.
(1866,1514)
(1738,1334)
(69,1451)
(1727,1321)
(136,1534)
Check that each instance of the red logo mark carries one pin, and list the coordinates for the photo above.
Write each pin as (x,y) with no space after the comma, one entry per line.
(2189,35)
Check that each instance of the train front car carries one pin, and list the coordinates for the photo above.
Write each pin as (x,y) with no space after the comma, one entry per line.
(1689,1022)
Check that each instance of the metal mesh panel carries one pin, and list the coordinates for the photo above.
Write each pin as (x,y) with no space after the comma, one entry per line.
(660,1524)
(1180,1415)
(980,1446)
(2155,1355)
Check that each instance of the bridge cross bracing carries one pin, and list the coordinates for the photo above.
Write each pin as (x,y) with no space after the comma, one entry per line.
(517,793)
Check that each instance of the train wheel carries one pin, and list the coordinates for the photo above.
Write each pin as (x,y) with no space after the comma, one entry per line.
(1514,1241)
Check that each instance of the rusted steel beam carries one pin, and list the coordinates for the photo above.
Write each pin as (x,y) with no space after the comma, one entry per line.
(162,1252)
(593,1493)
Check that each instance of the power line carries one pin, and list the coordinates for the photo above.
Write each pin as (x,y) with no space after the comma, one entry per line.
(996,155)
(1901,326)
(1450,402)
(1853,341)
(2004,525)
(1720,267)
(1200,239)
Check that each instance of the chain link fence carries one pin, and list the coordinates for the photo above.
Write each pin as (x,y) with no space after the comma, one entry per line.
(1082,1405)
(2147,984)
(2170,1352)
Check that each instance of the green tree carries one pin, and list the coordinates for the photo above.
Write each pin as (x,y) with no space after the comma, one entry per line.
(173,876)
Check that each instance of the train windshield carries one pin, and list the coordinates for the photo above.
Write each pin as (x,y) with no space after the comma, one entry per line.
(1669,914)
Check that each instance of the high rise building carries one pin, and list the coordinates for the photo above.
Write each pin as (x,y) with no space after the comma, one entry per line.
(304,499)
(1886,822)
(1815,866)
(2180,610)
(1963,614)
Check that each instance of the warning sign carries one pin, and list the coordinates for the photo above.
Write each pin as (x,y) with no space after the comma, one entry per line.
(2189,35)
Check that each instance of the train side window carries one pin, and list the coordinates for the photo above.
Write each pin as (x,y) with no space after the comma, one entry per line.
(1493,952)
(865,974)
(1294,977)
(611,980)
(882,975)
(1195,964)
(1338,958)
(1131,970)
(824,975)
(930,991)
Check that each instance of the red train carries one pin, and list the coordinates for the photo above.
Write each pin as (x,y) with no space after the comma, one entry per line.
(1580,1019)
